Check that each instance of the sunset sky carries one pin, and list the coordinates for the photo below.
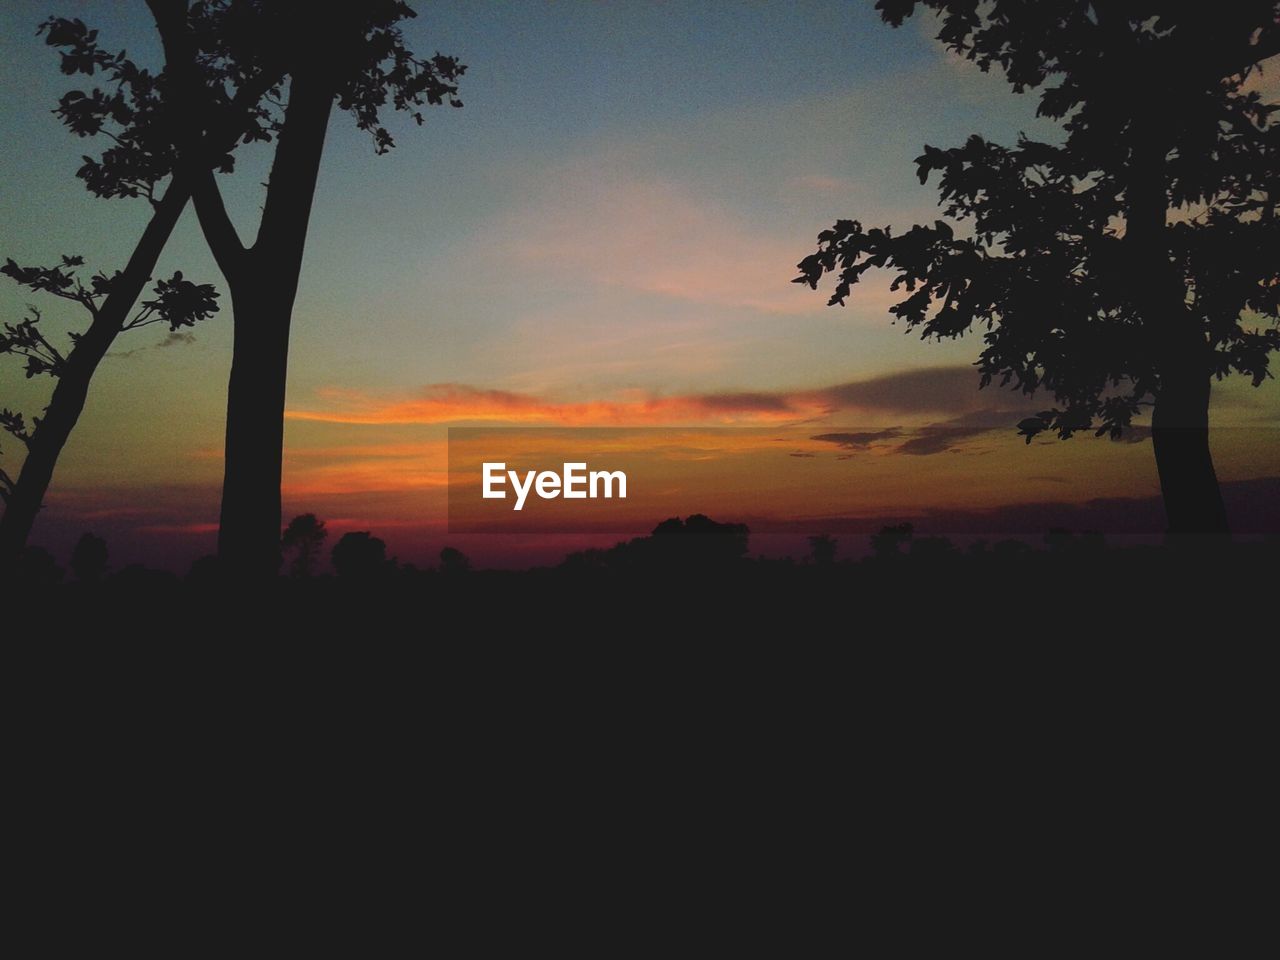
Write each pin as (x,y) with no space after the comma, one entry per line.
(604,236)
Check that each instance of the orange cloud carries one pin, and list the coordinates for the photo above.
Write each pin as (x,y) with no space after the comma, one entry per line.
(364,468)
(947,390)
(454,402)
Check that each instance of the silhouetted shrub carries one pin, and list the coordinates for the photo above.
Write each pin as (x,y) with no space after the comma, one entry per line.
(453,561)
(822,548)
(303,538)
(359,556)
(89,558)
(887,542)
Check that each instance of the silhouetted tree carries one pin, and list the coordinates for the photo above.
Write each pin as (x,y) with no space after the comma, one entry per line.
(454,561)
(887,542)
(1125,266)
(132,112)
(699,539)
(303,537)
(359,556)
(351,54)
(89,558)
(822,548)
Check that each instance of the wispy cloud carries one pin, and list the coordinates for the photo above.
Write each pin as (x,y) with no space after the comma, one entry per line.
(940,390)
(656,237)
(456,403)
(923,441)
(861,440)
(939,439)
(174,338)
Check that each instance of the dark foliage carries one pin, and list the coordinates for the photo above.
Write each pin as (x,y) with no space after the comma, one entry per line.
(454,561)
(823,548)
(674,543)
(303,539)
(89,558)
(360,556)
(1035,257)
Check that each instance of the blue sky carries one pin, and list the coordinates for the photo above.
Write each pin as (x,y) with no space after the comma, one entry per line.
(714,140)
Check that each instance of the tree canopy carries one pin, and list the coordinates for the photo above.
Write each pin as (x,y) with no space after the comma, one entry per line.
(1059,252)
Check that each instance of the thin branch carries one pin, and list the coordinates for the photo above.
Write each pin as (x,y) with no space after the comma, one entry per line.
(26,340)
(144,317)
(14,424)
(65,295)
(50,349)
(135,324)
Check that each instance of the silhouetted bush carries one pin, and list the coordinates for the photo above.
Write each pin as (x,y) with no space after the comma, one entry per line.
(822,548)
(889,540)
(89,558)
(359,556)
(453,561)
(675,544)
(303,538)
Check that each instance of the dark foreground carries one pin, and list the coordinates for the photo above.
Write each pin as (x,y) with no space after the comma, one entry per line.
(1076,591)
(928,696)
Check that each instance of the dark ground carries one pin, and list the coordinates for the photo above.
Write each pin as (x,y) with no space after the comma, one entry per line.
(699,590)
(1072,703)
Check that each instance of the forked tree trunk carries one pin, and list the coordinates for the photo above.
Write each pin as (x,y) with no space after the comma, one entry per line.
(67,403)
(262,295)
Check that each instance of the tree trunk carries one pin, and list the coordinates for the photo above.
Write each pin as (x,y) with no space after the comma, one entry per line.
(67,403)
(249,529)
(262,293)
(1180,418)
(1180,436)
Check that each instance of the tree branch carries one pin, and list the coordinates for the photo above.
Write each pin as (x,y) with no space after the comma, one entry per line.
(143,317)
(52,356)
(218,229)
(196,153)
